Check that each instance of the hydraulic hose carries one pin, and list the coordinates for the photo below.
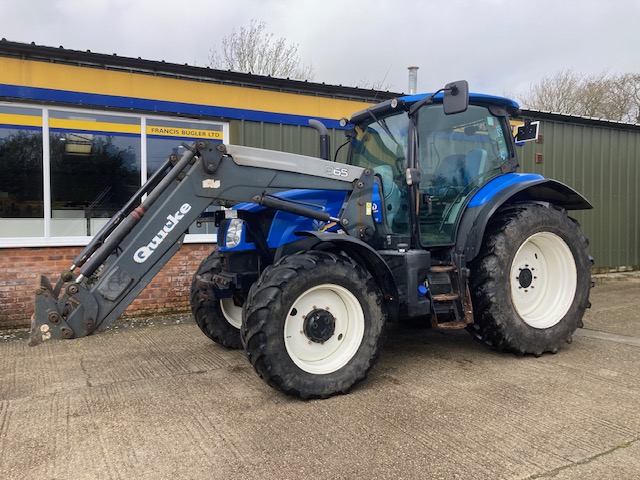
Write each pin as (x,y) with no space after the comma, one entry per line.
(124,227)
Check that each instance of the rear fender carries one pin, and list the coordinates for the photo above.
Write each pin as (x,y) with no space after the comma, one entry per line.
(510,189)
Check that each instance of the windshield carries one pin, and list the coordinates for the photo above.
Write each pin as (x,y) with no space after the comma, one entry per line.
(382,146)
(382,142)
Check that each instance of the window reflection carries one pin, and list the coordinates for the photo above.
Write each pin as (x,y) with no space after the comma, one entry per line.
(21,173)
(165,137)
(95,168)
(93,165)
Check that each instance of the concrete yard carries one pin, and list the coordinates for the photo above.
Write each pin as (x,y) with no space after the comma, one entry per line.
(161,401)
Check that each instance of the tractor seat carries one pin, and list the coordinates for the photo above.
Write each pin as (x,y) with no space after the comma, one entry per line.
(455,172)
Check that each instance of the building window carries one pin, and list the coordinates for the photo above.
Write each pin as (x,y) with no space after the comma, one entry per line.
(95,168)
(65,172)
(165,136)
(21,172)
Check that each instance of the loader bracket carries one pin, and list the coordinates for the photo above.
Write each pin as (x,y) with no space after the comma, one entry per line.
(211,156)
(72,315)
(46,322)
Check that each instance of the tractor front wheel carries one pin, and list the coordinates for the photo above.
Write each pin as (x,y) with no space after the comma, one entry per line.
(314,324)
(219,319)
(531,280)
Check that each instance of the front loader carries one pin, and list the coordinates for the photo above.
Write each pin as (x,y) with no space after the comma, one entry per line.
(428,220)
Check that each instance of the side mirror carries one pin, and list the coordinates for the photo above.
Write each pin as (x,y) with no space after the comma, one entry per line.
(456,97)
(527,132)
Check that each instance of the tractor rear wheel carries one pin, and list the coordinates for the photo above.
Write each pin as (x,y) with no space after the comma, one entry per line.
(531,280)
(314,324)
(219,319)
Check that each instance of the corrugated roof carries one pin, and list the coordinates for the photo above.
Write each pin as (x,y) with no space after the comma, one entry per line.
(206,74)
(152,67)
(568,117)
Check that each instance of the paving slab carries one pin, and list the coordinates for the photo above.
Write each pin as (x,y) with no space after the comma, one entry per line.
(162,401)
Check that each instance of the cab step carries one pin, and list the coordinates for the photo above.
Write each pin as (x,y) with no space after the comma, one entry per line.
(451,309)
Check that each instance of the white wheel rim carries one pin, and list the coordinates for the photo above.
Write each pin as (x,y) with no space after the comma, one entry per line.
(232,313)
(336,351)
(543,280)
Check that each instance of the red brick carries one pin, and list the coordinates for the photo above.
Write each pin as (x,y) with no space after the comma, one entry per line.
(19,267)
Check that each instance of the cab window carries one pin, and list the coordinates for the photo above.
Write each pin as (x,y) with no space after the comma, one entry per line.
(457,154)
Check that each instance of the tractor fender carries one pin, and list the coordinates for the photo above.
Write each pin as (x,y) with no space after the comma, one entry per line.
(510,189)
(367,257)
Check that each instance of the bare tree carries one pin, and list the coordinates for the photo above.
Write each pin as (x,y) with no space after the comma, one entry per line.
(593,95)
(555,93)
(614,97)
(252,50)
(628,89)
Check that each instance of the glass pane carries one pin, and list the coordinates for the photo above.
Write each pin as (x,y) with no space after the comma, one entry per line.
(382,146)
(457,154)
(383,142)
(21,178)
(95,168)
(165,137)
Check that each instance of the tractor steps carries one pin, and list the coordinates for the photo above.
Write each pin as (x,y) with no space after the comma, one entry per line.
(442,268)
(445,297)
(450,297)
(453,325)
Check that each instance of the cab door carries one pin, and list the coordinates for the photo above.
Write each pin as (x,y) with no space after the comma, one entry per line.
(457,155)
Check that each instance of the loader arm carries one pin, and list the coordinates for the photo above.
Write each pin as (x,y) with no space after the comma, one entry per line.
(132,248)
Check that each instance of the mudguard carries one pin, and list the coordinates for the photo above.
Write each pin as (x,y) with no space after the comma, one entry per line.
(365,256)
(509,189)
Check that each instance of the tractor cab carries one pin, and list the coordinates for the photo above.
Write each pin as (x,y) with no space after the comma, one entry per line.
(432,158)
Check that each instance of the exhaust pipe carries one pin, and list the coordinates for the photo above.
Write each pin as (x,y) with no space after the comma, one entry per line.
(413,80)
(324,138)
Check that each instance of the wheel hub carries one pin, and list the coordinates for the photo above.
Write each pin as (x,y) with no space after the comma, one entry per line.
(319,325)
(525,278)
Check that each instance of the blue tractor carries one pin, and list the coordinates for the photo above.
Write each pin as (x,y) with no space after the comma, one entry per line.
(426,221)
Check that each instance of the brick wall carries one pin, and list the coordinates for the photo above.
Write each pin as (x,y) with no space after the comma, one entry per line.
(168,292)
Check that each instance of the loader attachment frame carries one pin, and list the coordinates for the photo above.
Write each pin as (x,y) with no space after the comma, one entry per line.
(134,246)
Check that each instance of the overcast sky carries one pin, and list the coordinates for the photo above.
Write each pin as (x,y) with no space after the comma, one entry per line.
(499,46)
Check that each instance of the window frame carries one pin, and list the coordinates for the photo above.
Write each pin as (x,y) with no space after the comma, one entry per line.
(78,241)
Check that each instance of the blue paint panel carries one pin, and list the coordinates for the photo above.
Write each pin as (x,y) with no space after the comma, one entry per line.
(79,98)
(474,98)
(285,225)
(376,204)
(19,127)
(495,186)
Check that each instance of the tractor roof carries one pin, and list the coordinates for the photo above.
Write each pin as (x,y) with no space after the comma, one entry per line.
(473,98)
(385,107)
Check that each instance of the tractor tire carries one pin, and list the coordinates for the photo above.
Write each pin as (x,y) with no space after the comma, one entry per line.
(314,324)
(530,283)
(219,319)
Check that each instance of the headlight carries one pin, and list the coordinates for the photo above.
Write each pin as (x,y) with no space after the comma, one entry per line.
(234,233)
